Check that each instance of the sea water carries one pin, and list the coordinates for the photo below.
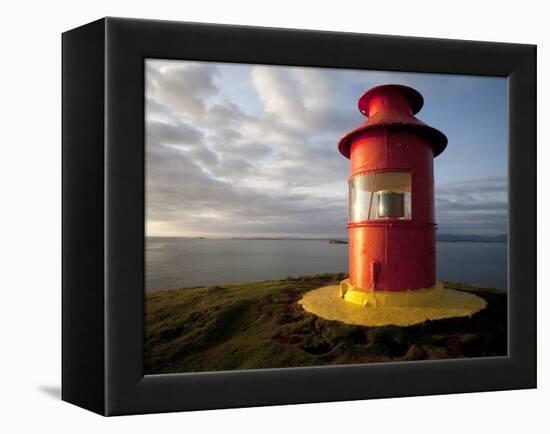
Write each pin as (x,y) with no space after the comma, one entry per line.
(185,262)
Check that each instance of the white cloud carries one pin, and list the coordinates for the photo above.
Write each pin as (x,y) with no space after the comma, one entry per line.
(477,205)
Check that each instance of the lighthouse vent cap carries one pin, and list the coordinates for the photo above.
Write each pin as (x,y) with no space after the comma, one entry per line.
(393,92)
(393,106)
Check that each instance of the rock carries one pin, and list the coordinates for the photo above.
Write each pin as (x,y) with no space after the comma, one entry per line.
(437,353)
(471,345)
(468,338)
(414,352)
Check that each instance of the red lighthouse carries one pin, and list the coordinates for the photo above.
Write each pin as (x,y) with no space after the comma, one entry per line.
(391,199)
(391,221)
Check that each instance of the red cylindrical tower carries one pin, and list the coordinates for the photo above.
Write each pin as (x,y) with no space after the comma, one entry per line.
(391,193)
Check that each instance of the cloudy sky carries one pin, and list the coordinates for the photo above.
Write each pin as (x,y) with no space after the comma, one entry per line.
(251,150)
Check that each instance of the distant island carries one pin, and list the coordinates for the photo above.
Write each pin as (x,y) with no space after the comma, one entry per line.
(338,242)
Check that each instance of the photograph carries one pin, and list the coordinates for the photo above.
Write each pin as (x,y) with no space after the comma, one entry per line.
(303,216)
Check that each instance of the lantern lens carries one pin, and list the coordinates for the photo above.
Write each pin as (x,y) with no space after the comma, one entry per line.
(380,196)
(391,204)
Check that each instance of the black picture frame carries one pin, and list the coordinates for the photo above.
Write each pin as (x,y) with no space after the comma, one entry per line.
(103,216)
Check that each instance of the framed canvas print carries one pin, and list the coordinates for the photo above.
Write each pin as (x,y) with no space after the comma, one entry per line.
(258,216)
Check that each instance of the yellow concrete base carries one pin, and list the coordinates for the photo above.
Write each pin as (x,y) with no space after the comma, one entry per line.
(327,303)
(417,298)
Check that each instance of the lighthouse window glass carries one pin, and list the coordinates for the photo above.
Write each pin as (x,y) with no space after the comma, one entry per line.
(380,196)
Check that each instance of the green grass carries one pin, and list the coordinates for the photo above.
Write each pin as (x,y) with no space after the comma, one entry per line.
(260,325)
